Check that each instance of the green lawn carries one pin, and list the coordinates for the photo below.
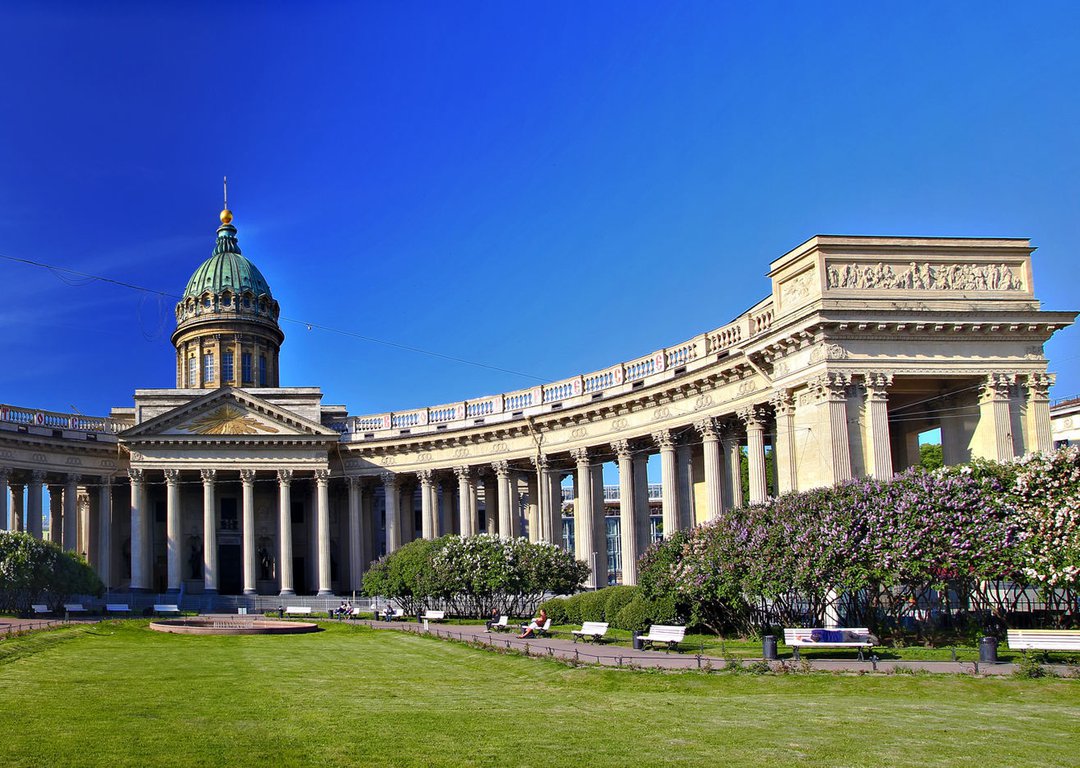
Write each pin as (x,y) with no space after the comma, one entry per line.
(117,694)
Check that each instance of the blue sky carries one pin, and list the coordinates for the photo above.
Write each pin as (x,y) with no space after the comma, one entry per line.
(546,189)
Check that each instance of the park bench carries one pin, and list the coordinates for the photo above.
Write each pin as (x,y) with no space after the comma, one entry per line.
(74,608)
(538,631)
(1044,639)
(852,637)
(434,616)
(160,608)
(501,624)
(663,633)
(298,610)
(399,613)
(40,610)
(117,608)
(591,630)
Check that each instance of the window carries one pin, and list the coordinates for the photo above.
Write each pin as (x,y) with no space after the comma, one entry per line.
(262,370)
(208,367)
(192,379)
(245,367)
(226,366)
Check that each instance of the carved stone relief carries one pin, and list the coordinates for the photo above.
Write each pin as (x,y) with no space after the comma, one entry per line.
(925,277)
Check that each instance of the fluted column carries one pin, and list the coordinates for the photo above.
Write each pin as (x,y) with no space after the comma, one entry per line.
(71,513)
(877,385)
(627,519)
(492,502)
(464,505)
(433,503)
(474,504)
(172,528)
(322,499)
(642,508)
(669,480)
(994,432)
(783,404)
(754,420)
(140,580)
(5,495)
(427,514)
(1037,426)
(584,514)
(285,556)
(356,544)
(502,487)
(56,514)
(33,506)
(714,481)
(730,435)
(247,482)
(600,542)
(833,388)
(15,516)
(684,471)
(104,533)
(533,509)
(393,509)
(210,554)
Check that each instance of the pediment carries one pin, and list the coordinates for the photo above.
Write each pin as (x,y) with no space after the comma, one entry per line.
(228,414)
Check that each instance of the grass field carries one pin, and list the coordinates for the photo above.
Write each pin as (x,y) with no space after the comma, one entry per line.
(117,694)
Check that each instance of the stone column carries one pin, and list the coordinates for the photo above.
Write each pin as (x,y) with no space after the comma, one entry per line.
(993,435)
(16,515)
(492,508)
(33,508)
(669,481)
(247,481)
(322,499)
(356,545)
(140,580)
(449,504)
(367,525)
(877,385)
(393,509)
(5,496)
(783,403)
(56,514)
(502,485)
(754,420)
(684,470)
(1037,422)
(464,505)
(533,509)
(714,480)
(285,558)
(104,533)
(732,466)
(71,514)
(172,528)
(599,527)
(584,514)
(642,508)
(833,387)
(474,504)
(628,539)
(433,502)
(210,554)
(427,513)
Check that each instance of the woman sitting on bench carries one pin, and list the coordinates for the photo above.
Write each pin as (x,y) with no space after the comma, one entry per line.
(534,625)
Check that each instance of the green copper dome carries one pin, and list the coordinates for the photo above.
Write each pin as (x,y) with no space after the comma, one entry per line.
(226,269)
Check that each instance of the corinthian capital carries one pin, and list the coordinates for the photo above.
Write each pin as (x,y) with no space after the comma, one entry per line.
(502,468)
(707,428)
(580,455)
(783,402)
(208,475)
(425,476)
(622,448)
(1038,385)
(751,416)
(664,439)
(996,386)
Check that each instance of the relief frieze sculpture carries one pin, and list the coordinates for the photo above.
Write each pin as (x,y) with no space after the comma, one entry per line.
(228,420)
(925,277)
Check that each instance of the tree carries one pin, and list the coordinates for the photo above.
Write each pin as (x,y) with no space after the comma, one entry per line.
(32,570)
(930,456)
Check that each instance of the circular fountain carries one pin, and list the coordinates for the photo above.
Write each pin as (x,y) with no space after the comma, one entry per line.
(232,625)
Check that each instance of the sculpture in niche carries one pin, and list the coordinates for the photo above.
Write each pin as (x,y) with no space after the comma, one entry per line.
(925,277)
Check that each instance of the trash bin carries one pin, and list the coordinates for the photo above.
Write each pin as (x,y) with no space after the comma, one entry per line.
(636,641)
(988,650)
(768,648)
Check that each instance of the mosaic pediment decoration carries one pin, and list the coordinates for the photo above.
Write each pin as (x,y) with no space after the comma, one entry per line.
(227,420)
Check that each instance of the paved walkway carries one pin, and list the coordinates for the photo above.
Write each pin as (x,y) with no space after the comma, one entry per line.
(620,656)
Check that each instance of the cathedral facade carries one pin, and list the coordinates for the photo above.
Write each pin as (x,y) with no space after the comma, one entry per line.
(233,484)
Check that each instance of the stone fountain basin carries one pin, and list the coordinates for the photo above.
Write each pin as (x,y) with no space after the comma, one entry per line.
(232,625)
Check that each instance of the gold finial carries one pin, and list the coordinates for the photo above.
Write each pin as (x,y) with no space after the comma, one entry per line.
(226,214)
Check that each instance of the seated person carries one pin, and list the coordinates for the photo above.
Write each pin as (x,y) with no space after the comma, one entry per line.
(534,625)
(388,614)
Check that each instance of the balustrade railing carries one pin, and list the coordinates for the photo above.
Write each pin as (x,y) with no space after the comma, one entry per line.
(75,422)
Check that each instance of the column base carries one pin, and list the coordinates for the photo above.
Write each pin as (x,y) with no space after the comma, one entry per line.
(286,593)
(139,590)
(325,593)
(250,592)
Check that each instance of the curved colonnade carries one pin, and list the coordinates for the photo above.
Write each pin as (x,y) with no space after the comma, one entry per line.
(862,344)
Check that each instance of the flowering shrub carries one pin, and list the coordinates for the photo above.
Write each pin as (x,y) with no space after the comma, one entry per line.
(39,571)
(870,550)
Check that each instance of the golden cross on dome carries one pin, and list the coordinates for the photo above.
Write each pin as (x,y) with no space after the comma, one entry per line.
(226,214)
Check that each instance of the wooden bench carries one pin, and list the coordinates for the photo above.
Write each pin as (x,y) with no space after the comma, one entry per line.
(399,613)
(434,616)
(1044,639)
(803,637)
(117,608)
(160,608)
(663,633)
(41,609)
(74,608)
(298,610)
(592,630)
(538,631)
(501,624)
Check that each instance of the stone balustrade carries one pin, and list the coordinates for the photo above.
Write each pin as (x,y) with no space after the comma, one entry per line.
(74,422)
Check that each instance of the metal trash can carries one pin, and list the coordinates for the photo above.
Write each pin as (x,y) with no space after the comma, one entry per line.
(768,648)
(988,650)
(636,641)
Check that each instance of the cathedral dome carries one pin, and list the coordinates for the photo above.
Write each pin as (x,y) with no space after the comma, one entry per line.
(227,269)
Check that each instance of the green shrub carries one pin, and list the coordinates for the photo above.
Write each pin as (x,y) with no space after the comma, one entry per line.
(635,615)
(664,610)
(592,606)
(573,608)
(617,599)
(556,610)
